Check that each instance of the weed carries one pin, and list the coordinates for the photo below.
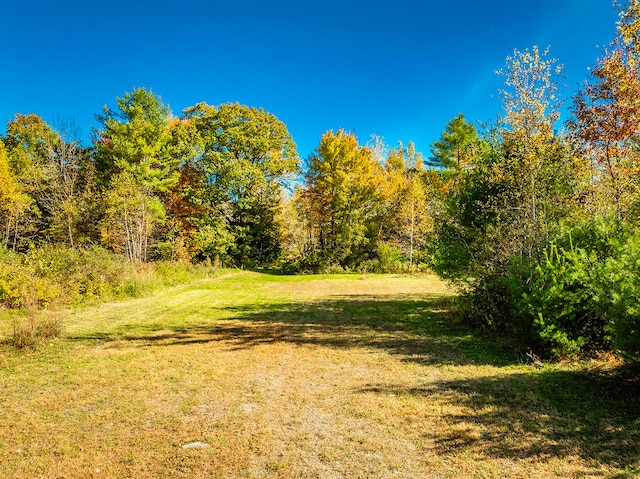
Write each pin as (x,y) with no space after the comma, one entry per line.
(35,327)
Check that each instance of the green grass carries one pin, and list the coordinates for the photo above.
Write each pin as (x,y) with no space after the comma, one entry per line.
(304,376)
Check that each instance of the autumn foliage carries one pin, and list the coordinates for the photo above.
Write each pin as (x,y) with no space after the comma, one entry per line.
(536,220)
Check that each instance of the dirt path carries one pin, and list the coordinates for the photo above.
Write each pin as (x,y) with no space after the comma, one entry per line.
(310,377)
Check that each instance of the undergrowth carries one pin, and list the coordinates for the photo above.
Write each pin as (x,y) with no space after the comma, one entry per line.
(37,284)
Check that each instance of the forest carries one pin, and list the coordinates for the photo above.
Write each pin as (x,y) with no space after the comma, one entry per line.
(533,218)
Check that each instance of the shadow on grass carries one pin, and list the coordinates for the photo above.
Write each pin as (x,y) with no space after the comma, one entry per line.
(537,414)
(548,413)
(419,328)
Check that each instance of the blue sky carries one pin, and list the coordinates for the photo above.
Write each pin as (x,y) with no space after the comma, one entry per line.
(398,68)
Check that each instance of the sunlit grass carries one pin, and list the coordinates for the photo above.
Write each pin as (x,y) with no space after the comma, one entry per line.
(306,376)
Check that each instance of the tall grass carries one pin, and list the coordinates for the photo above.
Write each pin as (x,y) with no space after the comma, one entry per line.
(34,285)
(34,327)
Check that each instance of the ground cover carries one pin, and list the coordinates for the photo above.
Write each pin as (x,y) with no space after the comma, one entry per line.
(346,376)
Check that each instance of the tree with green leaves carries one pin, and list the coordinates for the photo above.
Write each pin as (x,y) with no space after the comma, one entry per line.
(130,217)
(245,156)
(136,138)
(456,147)
(30,144)
(68,187)
(134,145)
(535,164)
(497,222)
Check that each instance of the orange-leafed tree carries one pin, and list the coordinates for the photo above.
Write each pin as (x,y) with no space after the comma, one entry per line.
(606,121)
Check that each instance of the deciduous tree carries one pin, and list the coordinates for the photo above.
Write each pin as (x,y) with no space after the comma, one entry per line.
(246,155)
(13,202)
(343,198)
(406,220)
(606,121)
(130,217)
(29,144)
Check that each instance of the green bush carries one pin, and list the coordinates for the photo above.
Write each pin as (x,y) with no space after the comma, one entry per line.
(564,302)
(388,258)
(584,296)
(79,274)
(20,286)
(621,277)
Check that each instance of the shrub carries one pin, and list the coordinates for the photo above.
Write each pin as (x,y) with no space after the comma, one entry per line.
(584,296)
(621,278)
(564,302)
(60,275)
(581,297)
(79,274)
(20,286)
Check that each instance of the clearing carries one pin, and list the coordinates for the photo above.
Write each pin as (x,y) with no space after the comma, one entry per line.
(345,376)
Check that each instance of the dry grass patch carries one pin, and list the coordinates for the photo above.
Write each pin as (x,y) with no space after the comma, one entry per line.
(295,377)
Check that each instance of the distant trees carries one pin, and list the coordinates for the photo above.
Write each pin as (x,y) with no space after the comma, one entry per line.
(360,207)
(342,202)
(13,202)
(136,164)
(69,184)
(221,183)
(244,157)
(606,122)
(29,143)
(457,145)
(206,185)
(406,220)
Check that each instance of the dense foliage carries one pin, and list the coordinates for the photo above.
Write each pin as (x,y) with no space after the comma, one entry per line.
(541,229)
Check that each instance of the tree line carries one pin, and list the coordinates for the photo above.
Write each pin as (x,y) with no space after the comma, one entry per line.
(214,183)
(150,185)
(536,220)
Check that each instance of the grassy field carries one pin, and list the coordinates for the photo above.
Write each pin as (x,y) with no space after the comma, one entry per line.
(345,376)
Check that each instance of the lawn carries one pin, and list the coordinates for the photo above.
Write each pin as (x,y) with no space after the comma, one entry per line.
(345,376)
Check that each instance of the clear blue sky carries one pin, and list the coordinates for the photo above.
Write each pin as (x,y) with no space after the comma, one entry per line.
(398,68)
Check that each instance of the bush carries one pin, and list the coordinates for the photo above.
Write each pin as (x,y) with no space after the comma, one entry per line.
(564,303)
(58,275)
(78,274)
(388,258)
(20,286)
(584,296)
(621,278)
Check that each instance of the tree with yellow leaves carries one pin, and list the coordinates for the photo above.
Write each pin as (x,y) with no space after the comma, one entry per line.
(342,200)
(406,219)
(13,202)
